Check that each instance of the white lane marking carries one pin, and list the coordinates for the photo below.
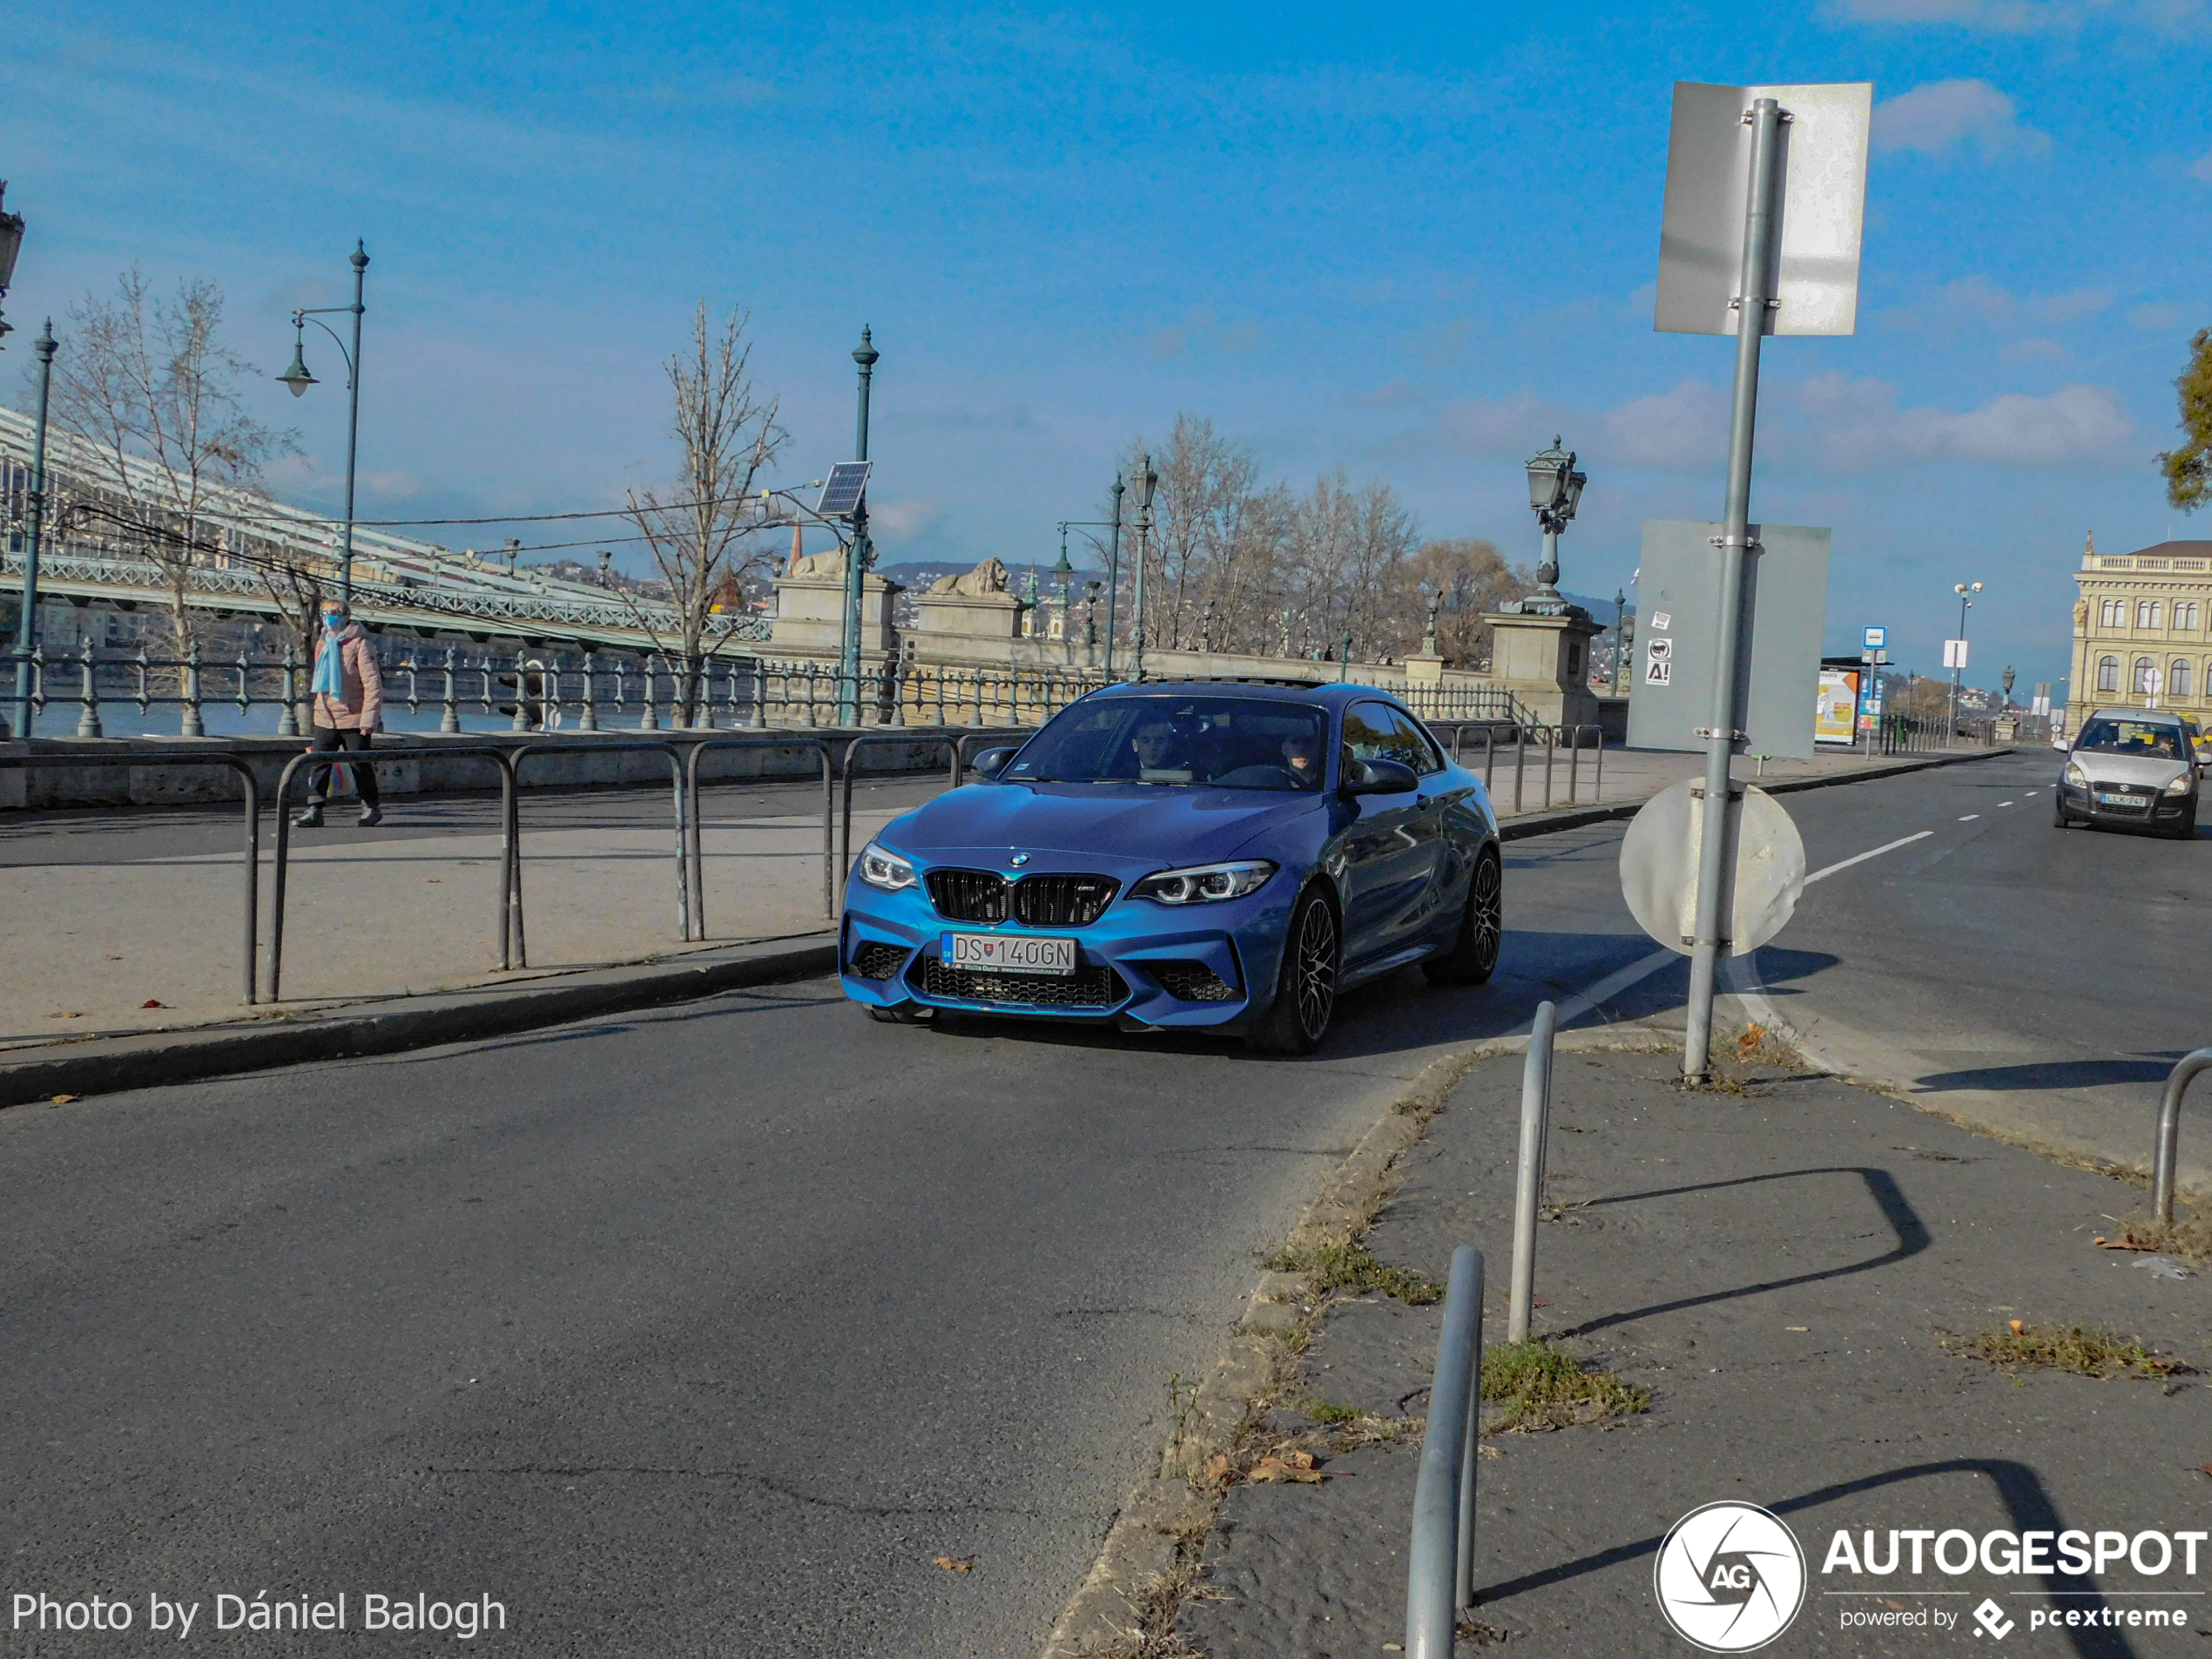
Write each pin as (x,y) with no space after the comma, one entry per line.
(1970,818)
(2004,803)
(1875,853)
(1613,984)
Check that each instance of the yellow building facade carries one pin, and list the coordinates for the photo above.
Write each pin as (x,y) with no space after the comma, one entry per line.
(2142,630)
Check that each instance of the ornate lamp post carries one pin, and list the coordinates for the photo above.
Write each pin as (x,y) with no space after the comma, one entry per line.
(1555,490)
(1147,481)
(300,380)
(1620,642)
(1959,670)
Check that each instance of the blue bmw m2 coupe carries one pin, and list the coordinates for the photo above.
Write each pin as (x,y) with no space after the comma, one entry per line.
(1207,854)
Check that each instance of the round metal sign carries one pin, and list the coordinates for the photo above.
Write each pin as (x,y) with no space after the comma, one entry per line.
(1763,872)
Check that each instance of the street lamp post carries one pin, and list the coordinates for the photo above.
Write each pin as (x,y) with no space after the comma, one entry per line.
(1959,668)
(1620,641)
(1113,576)
(34,518)
(1555,491)
(856,562)
(300,380)
(1147,481)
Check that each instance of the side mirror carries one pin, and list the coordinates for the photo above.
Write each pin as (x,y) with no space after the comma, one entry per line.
(1378,777)
(991,762)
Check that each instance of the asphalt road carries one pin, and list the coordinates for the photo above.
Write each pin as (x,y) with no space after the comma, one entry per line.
(704,1332)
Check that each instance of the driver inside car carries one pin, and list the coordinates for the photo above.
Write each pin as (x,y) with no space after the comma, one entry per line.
(1302,754)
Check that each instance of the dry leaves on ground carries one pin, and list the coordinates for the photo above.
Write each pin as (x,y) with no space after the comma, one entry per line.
(953,1563)
(1288,1466)
(63,1100)
(153,1002)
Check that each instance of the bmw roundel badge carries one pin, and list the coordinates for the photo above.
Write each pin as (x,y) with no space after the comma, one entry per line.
(1018,860)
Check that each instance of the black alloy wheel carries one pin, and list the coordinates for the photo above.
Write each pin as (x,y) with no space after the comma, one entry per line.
(1305,989)
(1473,955)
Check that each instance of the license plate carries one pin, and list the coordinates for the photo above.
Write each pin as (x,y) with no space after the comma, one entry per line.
(1007,953)
(2122,800)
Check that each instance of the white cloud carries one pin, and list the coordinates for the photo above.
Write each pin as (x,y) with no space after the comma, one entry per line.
(2035,350)
(1931,118)
(1684,427)
(1512,426)
(1390,394)
(1858,425)
(903,517)
(2201,169)
(1977,300)
(2157,317)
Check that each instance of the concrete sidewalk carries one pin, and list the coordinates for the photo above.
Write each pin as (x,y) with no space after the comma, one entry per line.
(1793,1271)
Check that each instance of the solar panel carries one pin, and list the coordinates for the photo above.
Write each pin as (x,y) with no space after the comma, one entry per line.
(848,482)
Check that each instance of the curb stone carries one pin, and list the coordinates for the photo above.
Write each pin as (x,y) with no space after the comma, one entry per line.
(160,1058)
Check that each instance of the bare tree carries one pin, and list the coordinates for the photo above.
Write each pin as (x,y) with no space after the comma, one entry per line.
(151,392)
(1465,576)
(1347,550)
(701,531)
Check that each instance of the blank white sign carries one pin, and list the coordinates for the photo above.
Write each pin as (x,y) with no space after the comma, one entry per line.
(1823,208)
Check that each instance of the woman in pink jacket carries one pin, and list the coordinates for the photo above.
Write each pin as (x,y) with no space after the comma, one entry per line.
(349,698)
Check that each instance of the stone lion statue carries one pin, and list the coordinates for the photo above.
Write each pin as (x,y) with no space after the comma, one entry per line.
(987,578)
(819,567)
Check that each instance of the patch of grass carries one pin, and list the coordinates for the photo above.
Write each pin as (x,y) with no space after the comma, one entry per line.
(1540,1386)
(1353,1270)
(2085,1352)
(2190,1237)
(1325,1412)
(1763,1045)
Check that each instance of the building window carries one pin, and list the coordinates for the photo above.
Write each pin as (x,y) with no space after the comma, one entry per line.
(2185,616)
(2177,677)
(2146,675)
(2109,614)
(2108,673)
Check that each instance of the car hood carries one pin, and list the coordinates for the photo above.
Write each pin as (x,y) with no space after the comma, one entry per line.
(1126,823)
(2155,770)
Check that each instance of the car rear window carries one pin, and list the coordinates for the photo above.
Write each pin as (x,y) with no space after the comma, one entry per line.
(2155,740)
(1188,742)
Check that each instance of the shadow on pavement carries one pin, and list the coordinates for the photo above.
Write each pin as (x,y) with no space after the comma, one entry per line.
(2054,1073)
(1912,1239)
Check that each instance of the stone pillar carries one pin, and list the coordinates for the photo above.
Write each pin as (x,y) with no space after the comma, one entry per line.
(1544,660)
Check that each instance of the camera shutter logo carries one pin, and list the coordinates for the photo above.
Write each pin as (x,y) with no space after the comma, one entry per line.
(1730,1577)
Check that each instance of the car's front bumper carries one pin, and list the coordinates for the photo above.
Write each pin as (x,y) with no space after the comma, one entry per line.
(1199,965)
(2159,809)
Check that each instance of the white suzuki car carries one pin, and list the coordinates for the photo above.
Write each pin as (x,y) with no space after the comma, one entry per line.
(2132,767)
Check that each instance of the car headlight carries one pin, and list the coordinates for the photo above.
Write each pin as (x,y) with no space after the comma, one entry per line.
(1205,883)
(880,869)
(2180,784)
(2075,776)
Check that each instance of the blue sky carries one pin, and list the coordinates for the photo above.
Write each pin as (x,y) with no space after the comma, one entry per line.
(1416,241)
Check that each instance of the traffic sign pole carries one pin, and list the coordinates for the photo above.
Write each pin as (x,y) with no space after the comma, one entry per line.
(1752,299)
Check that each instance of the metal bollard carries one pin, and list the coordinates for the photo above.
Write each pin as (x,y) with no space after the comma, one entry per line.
(1439,1576)
(194,726)
(88,718)
(1528,1184)
(448,717)
(587,719)
(2168,1151)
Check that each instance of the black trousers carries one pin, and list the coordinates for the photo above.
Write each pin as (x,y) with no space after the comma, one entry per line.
(330,739)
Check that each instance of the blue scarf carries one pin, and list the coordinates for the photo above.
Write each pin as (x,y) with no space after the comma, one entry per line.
(330,662)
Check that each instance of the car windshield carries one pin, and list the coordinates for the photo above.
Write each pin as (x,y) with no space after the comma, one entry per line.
(1187,742)
(2155,740)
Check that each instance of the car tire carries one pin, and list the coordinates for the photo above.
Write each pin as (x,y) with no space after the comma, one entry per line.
(2059,816)
(1473,955)
(1305,986)
(2186,830)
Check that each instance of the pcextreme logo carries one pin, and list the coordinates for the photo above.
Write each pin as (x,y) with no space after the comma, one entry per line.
(1730,1577)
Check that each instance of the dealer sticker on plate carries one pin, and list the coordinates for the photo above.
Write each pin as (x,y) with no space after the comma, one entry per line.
(1007,953)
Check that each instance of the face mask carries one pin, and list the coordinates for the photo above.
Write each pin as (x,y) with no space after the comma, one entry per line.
(333,621)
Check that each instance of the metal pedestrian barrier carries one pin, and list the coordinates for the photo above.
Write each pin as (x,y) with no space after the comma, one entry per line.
(676,777)
(253,827)
(1528,1184)
(692,796)
(2168,1151)
(508,914)
(1439,1576)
